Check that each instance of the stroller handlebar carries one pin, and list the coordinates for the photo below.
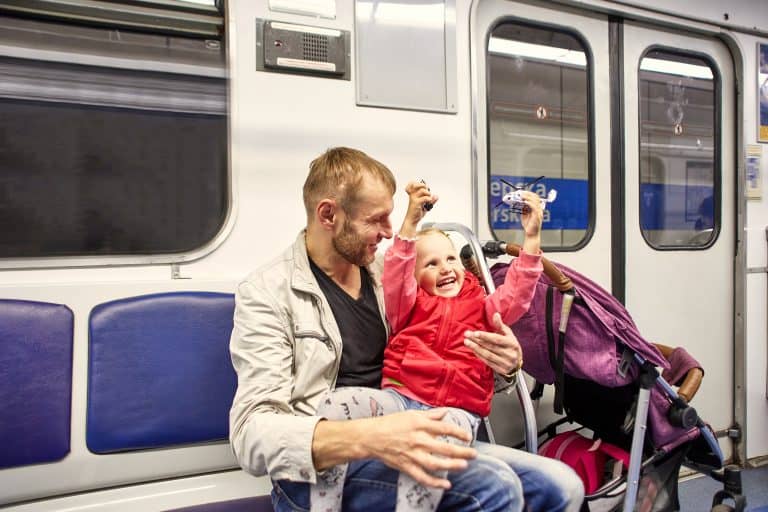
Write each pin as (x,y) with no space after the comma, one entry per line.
(692,381)
(496,248)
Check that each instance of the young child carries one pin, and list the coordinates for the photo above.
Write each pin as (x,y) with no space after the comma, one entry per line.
(430,303)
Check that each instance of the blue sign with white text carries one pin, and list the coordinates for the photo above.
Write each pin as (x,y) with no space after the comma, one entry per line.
(570,210)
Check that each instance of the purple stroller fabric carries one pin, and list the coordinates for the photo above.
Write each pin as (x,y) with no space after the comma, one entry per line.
(596,333)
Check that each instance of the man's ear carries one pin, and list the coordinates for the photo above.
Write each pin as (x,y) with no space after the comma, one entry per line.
(326,213)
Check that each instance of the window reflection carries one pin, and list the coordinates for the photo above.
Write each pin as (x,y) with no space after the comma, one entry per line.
(678,140)
(538,105)
(98,160)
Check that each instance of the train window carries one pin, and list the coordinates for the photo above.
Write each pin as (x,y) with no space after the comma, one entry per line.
(538,115)
(119,148)
(679,170)
(199,18)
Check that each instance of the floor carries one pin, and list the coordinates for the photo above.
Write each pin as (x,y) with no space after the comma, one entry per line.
(696,493)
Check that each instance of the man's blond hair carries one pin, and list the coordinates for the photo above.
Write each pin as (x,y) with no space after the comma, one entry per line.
(337,174)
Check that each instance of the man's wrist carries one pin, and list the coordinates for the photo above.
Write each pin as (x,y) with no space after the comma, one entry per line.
(511,375)
(338,442)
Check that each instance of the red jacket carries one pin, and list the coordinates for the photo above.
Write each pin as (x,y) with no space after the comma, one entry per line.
(426,358)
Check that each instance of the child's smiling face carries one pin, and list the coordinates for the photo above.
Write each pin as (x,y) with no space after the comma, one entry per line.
(438,268)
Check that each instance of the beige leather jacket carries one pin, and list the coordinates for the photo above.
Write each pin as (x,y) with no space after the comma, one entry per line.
(286,350)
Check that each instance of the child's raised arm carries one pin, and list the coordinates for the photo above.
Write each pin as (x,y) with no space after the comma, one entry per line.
(531,222)
(513,298)
(418,196)
(400,259)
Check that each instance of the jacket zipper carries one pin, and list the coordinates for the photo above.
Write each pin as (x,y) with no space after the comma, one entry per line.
(329,339)
(446,315)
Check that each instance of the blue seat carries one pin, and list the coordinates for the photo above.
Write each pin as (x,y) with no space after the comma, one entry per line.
(159,371)
(35,382)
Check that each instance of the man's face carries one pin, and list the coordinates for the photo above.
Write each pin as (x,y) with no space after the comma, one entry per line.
(438,269)
(368,224)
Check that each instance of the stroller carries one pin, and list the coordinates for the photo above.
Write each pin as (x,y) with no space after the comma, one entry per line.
(579,338)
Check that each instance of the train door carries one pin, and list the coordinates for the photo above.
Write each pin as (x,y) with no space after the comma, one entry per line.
(536,73)
(680,211)
(542,106)
(540,89)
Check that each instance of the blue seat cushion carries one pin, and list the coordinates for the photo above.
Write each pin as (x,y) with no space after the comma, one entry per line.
(35,382)
(159,371)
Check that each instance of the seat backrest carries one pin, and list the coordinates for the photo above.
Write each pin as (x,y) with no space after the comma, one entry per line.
(159,371)
(35,382)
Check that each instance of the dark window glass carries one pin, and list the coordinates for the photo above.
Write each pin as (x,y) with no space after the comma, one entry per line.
(98,160)
(80,180)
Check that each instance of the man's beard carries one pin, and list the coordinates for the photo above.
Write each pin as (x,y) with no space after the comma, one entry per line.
(351,246)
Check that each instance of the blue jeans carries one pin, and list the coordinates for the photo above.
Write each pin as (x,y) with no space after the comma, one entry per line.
(486,485)
(548,484)
(492,481)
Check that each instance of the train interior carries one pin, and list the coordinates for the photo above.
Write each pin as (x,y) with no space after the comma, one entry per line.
(152,154)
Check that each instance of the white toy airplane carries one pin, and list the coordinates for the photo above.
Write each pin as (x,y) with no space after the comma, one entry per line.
(514,198)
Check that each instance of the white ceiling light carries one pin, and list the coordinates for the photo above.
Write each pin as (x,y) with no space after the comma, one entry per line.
(508,47)
(671,67)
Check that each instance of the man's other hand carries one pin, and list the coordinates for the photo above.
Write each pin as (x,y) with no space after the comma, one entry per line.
(500,350)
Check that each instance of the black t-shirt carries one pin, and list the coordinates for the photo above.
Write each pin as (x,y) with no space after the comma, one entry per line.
(362,331)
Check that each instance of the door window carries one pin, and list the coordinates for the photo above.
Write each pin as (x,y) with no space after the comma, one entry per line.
(679,137)
(539,130)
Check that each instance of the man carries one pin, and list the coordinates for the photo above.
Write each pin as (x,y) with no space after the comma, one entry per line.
(290,319)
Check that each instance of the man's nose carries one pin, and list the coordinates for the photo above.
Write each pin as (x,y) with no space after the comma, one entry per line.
(386,229)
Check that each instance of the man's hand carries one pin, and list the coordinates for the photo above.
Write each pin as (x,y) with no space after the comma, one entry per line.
(500,350)
(406,441)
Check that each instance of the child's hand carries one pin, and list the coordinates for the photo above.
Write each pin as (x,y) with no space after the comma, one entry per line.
(418,196)
(531,219)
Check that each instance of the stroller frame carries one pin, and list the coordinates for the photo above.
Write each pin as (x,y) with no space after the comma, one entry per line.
(647,378)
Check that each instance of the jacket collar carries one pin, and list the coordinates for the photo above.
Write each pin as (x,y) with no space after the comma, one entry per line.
(304,280)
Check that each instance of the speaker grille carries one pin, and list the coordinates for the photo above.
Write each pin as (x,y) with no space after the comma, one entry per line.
(315,47)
